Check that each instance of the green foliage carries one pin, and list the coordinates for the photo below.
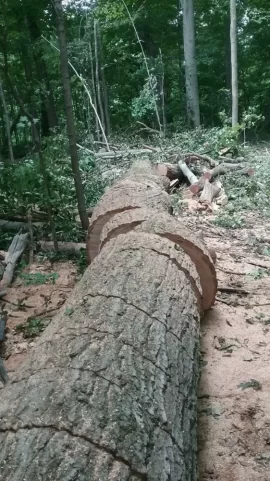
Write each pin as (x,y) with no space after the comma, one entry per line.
(253,383)
(69,311)
(259,273)
(144,105)
(230,221)
(32,328)
(38,278)
(78,257)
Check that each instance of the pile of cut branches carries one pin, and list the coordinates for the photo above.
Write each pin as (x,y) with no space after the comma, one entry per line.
(202,174)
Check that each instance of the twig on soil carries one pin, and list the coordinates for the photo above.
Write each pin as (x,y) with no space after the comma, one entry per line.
(233,290)
(259,264)
(231,272)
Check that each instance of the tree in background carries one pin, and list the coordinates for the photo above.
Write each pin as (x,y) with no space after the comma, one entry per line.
(234,62)
(192,90)
(69,114)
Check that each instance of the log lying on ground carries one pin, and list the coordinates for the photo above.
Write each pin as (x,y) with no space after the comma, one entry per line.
(198,186)
(15,251)
(225,168)
(187,172)
(109,392)
(62,246)
(7,225)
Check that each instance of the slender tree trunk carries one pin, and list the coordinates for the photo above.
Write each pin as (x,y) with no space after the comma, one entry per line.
(103,82)
(162,93)
(99,99)
(69,114)
(94,90)
(7,122)
(192,90)
(49,111)
(234,63)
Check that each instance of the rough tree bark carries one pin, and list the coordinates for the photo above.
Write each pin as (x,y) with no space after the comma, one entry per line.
(234,63)
(109,391)
(69,113)
(192,89)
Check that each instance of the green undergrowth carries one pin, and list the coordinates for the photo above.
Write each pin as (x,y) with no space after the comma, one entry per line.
(247,194)
(77,257)
(32,328)
(38,278)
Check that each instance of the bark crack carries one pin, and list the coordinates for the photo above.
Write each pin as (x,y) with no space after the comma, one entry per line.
(108,296)
(100,447)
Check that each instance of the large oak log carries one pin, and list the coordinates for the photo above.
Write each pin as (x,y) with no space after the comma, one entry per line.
(109,391)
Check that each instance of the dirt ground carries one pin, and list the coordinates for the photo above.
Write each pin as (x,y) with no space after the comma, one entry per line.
(234,391)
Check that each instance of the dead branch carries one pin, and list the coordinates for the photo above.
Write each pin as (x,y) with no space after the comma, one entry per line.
(148,129)
(6,225)
(259,264)
(231,272)
(233,290)
(225,168)
(14,253)
(62,246)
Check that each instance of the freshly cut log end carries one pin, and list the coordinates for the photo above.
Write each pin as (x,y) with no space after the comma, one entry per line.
(162,224)
(198,186)
(128,194)
(210,191)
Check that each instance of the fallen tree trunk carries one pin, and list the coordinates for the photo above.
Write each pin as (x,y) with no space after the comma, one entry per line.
(62,246)
(225,168)
(198,186)
(14,254)
(7,225)
(109,391)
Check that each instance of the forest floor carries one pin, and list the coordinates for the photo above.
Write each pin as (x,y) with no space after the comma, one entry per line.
(234,391)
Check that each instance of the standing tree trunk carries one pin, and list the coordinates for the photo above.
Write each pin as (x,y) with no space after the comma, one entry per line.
(109,392)
(192,90)
(233,34)
(50,120)
(93,83)
(99,99)
(7,122)
(69,114)
(104,83)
